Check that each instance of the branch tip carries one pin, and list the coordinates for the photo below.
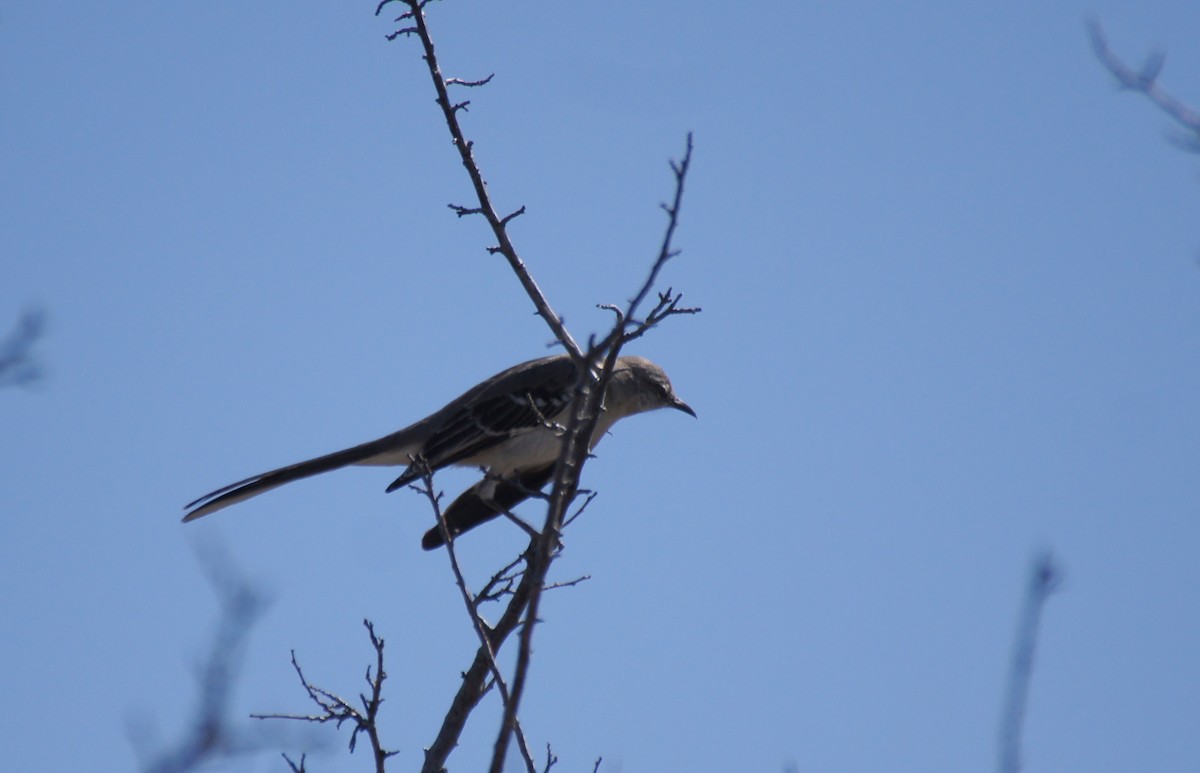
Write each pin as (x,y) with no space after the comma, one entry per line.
(513,215)
(470,84)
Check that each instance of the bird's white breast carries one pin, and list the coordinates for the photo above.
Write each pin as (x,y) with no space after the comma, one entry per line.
(533,448)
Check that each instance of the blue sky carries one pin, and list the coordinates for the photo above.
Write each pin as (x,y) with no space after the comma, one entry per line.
(950,289)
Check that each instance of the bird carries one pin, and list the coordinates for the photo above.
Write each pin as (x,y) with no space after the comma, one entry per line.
(510,425)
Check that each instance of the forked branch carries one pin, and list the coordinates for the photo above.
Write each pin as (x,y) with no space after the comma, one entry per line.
(597,368)
(339,710)
(483,631)
(585,411)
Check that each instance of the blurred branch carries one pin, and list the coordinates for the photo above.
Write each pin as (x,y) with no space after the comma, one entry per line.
(1044,579)
(210,737)
(1145,81)
(17,366)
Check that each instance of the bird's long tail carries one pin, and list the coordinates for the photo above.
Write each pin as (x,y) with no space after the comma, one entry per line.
(471,508)
(263,482)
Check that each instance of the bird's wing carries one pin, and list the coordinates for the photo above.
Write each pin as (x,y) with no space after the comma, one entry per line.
(524,398)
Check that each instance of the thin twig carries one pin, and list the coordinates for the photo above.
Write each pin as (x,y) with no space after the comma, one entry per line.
(622,332)
(568,583)
(470,84)
(501,583)
(339,710)
(504,244)
(591,495)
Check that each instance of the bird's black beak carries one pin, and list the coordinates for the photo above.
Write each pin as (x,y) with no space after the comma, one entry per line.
(680,405)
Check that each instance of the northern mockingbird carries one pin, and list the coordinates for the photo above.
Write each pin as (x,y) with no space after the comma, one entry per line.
(511,425)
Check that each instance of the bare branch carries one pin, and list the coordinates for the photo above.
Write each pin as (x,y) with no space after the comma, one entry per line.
(404,16)
(667,306)
(462,211)
(504,245)
(501,583)
(571,518)
(585,410)
(596,369)
(512,215)
(475,682)
(1044,579)
(339,710)
(568,583)
(665,251)
(621,332)
(620,317)
(405,31)
(482,631)
(584,413)
(470,84)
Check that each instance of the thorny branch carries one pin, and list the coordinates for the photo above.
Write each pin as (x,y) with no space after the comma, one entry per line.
(504,245)
(482,630)
(598,364)
(627,327)
(475,683)
(585,410)
(1145,81)
(338,710)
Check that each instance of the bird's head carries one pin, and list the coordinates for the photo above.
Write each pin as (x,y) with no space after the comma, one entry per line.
(638,385)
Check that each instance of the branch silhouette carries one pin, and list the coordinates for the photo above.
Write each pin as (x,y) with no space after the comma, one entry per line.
(1045,578)
(339,710)
(17,364)
(1145,81)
